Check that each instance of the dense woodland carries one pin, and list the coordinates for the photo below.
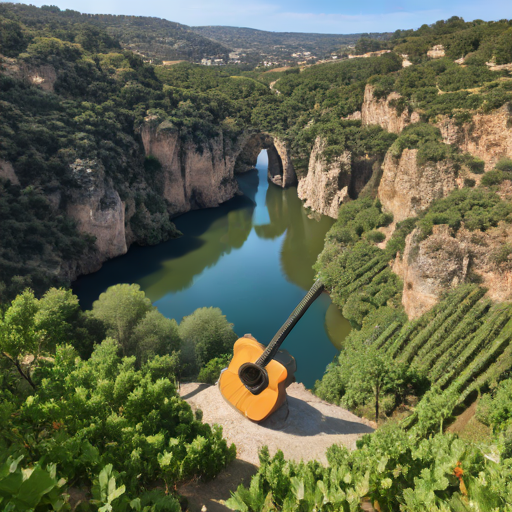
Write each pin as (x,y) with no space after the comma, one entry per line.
(88,400)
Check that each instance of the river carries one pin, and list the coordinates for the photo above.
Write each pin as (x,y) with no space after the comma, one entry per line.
(252,257)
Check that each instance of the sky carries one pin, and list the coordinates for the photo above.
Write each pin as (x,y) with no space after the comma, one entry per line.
(322,16)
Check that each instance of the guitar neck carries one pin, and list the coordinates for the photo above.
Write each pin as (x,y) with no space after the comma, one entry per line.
(296,315)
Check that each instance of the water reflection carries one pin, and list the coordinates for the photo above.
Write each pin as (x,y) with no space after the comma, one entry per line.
(252,257)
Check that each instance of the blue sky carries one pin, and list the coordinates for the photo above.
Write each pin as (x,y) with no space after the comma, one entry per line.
(324,16)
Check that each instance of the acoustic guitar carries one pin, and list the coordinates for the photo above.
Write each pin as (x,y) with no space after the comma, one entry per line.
(256,379)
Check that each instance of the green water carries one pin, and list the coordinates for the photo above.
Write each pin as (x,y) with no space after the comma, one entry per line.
(252,258)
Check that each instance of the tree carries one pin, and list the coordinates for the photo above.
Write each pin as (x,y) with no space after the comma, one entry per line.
(154,335)
(206,334)
(31,328)
(121,308)
(371,373)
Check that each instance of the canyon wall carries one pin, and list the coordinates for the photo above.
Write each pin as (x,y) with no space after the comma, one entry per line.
(406,188)
(96,206)
(487,136)
(192,177)
(441,261)
(333,181)
(7,172)
(325,187)
(382,112)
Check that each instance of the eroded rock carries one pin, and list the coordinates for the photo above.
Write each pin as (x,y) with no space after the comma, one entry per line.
(327,183)
(406,188)
(382,112)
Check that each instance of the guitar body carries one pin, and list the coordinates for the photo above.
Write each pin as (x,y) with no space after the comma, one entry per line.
(255,407)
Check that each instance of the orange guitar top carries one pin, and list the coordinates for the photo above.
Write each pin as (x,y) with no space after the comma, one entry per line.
(255,407)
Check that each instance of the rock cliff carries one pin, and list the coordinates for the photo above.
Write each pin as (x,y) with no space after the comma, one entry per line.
(44,76)
(96,206)
(407,188)
(487,136)
(7,172)
(326,185)
(192,177)
(331,182)
(382,112)
(443,260)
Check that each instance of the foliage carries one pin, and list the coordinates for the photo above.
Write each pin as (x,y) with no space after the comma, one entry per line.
(211,371)
(390,468)
(34,488)
(104,417)
(475,208)
(206,334)
(121,308)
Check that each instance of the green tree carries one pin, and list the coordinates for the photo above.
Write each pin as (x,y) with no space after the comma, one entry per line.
(206,334)
(154,335)
(31,328)
(121,308)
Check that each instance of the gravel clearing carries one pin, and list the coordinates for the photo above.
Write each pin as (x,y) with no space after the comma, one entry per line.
(303,428)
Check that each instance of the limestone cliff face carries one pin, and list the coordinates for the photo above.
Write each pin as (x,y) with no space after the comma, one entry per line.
(326,185)
(43,76)
(7,172)
(280,166)
(428,268)
(487,136)
(443,260)
(382,112)
(97,208)
(191,177)
(407,188)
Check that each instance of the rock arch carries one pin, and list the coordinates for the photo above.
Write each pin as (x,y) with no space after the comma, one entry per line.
(280,167)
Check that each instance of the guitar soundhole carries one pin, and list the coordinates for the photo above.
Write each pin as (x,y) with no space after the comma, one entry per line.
(254,377)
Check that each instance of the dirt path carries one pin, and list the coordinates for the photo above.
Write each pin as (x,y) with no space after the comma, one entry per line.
(303,428)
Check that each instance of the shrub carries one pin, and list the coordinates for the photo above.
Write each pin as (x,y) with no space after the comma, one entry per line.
(210,373)
(491,178)
(375,236)
(206,334)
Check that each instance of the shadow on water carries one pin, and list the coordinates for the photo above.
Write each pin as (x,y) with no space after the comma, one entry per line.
(252,257)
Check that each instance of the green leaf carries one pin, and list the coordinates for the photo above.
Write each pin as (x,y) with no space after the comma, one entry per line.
(35,487)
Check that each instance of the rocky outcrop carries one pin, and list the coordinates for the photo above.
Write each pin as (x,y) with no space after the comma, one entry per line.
(43,76)
(429,268)
(280,166)
(382,112)
(406,188)
(192,177)
(7,172)
(97,208)
(326,185)
(487,136)
(443,260)
(436,52)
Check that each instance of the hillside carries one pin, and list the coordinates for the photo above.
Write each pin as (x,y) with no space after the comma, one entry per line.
(282,45)
(152,38)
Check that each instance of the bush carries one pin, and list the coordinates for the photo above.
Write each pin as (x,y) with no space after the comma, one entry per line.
(375,236)
(206,334)
(210,373)
(121,308)
(491,178)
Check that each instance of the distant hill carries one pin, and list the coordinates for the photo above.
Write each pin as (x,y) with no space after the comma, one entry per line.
(282,44)
(153,38)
